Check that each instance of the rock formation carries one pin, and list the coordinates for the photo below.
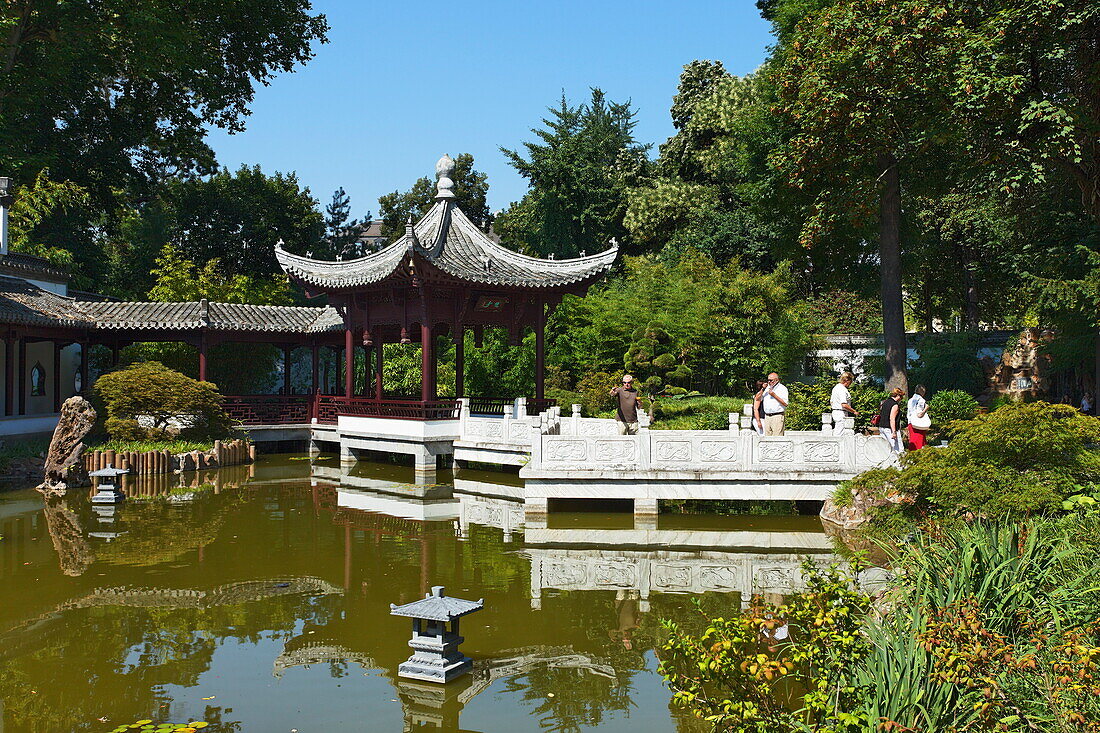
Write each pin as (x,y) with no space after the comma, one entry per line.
(64,467)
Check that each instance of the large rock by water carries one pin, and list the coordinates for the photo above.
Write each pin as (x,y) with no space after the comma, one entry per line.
(64,467)
(859,510)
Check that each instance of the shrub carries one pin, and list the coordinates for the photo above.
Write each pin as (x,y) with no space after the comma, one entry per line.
(153,391)
(1021,459)
(594,389)
(950,405)
(948,362)
(809,401)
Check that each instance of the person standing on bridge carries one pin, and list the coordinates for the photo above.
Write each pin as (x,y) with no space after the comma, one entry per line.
(773,399)
(841,401)
(626,413)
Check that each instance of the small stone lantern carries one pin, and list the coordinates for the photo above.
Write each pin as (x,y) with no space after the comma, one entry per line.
(106,490)
(435,638)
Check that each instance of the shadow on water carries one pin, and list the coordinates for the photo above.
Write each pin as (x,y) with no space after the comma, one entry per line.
(258,599)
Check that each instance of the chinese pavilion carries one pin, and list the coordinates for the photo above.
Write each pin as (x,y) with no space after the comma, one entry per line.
(442,277)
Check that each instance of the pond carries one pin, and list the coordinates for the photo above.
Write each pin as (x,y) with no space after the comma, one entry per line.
(260,601)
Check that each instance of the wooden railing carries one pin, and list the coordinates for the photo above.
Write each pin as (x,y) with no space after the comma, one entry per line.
(500,406)
(329,407)
(294,409)
(269,409)
(490,406)
(536,406)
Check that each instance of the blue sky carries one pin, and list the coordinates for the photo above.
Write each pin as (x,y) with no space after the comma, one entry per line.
(400,83)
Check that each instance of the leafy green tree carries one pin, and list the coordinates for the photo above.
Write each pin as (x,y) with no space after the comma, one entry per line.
(120,93)
(579,171)
(341,230)
(240,217)
(867,87)
(725,325)
(33,206)
(471,189)
(151,391)
(842,312)
(652,359)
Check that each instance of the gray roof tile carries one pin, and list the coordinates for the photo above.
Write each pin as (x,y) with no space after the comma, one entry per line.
(436,606)
(447,239)
(23,302)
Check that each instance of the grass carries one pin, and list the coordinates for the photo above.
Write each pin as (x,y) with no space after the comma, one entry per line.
(30,448)
(696,413)
(143,446)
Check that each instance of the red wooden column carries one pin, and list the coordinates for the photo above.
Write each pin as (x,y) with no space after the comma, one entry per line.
(9,375)
(349,364)
(202,358)
(22,376)
(314,359)
(378,354)
(427,364)
(57,376)
(460,363)
(540,351)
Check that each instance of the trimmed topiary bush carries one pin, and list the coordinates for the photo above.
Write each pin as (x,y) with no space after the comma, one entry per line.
(150,401)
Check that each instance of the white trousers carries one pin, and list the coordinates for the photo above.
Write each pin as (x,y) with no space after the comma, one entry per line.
(894,439)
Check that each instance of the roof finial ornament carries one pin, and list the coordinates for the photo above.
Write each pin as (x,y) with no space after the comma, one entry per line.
(409,227)
(443,170)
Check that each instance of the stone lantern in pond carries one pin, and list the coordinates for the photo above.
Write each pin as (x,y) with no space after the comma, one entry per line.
(107,491)
(435,638)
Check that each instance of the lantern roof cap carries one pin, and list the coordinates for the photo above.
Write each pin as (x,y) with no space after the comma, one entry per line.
(109,471)
(437,606)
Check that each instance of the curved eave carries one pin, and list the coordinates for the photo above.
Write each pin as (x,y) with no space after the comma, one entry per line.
(346,274)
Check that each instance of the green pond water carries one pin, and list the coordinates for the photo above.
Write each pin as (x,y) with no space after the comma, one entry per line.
(262,603)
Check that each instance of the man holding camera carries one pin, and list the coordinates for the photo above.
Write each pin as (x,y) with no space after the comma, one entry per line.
(626,413)
(773,400)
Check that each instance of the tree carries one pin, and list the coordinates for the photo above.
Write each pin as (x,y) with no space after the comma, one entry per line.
(119,93)
(471,189)
(342,231)
(240,217)
(866,86)
(152,391)
(579,174)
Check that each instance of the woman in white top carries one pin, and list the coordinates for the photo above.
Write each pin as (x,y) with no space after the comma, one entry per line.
(840,402)
(919,419)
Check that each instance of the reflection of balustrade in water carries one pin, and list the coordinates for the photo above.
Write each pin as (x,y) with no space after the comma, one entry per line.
(668,571)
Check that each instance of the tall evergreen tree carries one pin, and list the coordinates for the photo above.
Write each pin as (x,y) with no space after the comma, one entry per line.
(471,189)
(341,231)
(579,173)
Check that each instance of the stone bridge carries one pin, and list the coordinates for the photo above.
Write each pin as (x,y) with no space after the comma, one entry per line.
(575,458)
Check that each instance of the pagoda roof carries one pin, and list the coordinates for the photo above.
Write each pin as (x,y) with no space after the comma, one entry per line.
(436,606)
(447,239)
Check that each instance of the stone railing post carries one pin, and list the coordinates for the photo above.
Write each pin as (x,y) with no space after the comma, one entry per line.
(463,415)
(735,422)
(536,446)
(519,407)
(827,422)
(643,421)
(576,422)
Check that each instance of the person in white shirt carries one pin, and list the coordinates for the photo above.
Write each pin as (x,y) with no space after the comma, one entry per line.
(773,400)
(840,402)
